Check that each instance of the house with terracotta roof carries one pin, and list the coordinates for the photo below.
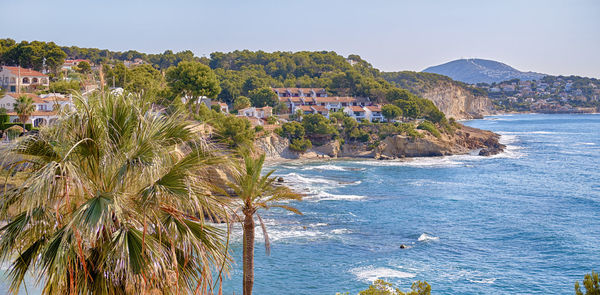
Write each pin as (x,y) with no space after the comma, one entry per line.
(317,109)
(14,78)
(374,113)
(334,104)
(46,108)
(356,112)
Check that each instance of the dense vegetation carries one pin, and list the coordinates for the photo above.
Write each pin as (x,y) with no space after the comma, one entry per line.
(420,82)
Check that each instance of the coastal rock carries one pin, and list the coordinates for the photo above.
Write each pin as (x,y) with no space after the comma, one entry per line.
(457,102)
(331,149)
(403,146)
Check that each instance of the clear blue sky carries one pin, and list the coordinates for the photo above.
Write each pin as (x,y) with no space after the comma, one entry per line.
(550,36)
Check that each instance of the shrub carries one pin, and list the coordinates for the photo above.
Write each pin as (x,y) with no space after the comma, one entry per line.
(300,145)
(317,124)
(292,130)
(4,126)
(426,125)
(258,128)
(272,120)
(591,284)
(233,131)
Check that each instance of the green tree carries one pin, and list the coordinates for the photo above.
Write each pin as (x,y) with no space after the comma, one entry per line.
(109,203)
(317,124)
(391,112)
(292,130)
(64,86)
(233,131)
(381,287)
(263,97)
(24,107)
(256,191)
(84,67)
(193,80)
(409,108)
(144,79)
(241,102)
(591,284)
(399,94)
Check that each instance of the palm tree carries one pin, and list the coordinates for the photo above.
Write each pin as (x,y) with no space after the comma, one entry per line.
(112,203)
(24,107)
(255,192)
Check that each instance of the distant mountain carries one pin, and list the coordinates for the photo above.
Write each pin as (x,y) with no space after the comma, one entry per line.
(476,70)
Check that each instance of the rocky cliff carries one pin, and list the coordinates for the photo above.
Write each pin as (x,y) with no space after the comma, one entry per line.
(457,102)
(464,140)
(455,99)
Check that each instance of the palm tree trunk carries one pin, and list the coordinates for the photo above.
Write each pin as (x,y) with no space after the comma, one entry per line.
(248,253)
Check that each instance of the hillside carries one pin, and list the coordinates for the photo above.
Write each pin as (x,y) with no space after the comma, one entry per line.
(455,99)
(475,71)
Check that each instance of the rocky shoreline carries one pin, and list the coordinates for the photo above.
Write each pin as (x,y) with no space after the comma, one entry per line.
(464,140)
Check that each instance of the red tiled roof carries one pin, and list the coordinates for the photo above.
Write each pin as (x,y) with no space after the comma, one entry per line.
(36,113)
(35,98)
(305,108)
(321,109)
(375,108)
(335,99)
(24,72)
(356,109)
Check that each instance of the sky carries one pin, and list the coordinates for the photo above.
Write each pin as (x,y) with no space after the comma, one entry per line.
(551,36)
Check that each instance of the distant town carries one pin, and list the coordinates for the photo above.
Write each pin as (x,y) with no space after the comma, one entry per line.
(551,94)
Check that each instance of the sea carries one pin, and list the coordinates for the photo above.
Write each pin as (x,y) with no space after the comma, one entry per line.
(526,221)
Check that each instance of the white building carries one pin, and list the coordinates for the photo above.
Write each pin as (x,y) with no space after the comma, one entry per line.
(223,106)
(356,112)
(14,78)
(260,113)
(374,113)
(46,108)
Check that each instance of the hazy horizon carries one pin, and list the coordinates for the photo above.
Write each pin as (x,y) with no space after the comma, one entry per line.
(550,37)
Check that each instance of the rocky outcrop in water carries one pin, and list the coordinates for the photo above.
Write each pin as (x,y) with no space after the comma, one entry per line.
(464,140)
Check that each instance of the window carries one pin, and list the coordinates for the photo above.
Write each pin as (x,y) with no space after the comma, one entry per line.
(34,80)
(25,80)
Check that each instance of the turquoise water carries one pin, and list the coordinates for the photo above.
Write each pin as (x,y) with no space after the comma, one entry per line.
(524,222)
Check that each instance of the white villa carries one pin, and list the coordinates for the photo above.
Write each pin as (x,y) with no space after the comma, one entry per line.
(260,113)
(45,107)
(356,112)
(14,78)
(223,106)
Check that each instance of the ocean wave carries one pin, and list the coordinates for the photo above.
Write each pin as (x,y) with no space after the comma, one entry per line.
(585,143)
(331,167)
(340,231)
(325,196)
(371,273)
(439,162)
(427,238)
(482,281)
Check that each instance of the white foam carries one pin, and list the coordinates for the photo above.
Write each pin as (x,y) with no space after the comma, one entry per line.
(340,231)
(427,238)
(585,143)
(482,281)
(371,274)
(440,162)
(325,196)
(325,167)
